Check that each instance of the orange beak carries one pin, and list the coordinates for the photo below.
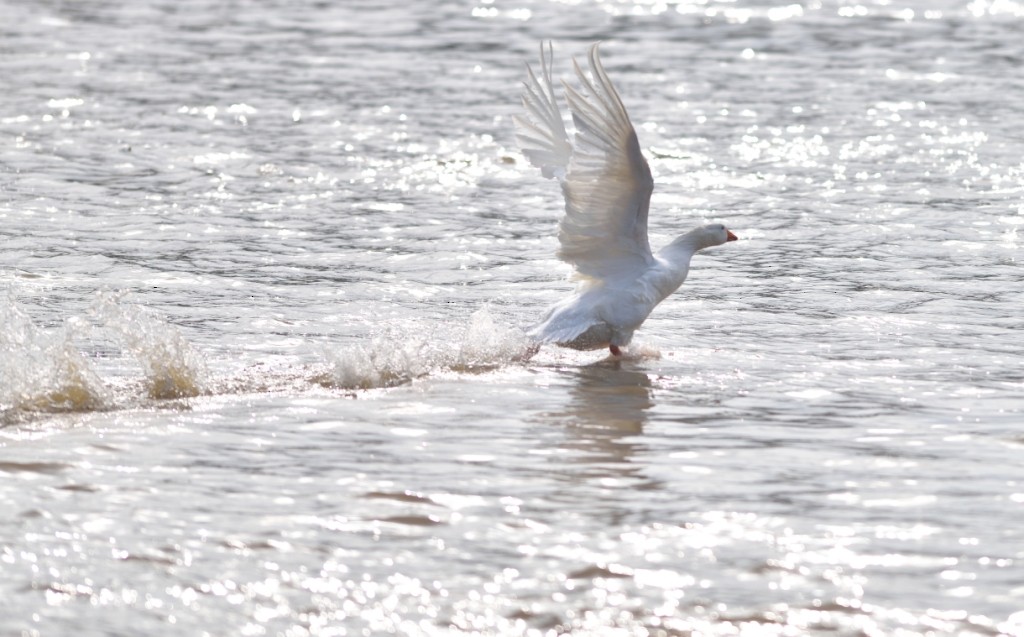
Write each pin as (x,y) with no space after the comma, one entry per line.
(729,236)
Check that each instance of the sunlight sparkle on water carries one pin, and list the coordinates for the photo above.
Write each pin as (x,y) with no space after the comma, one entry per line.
(263,366)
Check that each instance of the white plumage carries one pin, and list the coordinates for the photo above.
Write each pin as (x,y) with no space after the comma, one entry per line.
(607,187)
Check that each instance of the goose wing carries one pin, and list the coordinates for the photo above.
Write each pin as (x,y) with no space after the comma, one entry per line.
(605,179)
(541,132)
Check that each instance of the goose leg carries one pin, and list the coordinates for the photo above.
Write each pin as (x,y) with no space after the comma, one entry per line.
(615,350)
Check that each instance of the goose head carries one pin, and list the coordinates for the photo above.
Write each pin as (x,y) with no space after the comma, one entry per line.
(708,236)
(714,234)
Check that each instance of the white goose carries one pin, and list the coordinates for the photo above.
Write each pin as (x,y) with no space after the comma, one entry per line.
(607,187)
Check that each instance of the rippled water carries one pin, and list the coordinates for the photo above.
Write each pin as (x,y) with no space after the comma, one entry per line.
(264,270)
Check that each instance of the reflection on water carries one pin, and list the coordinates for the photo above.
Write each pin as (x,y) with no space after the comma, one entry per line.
(603,425)
(612,396)
(606,413)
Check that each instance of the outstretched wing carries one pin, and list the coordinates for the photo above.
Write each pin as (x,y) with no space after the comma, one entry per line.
(541,133)
(607,183)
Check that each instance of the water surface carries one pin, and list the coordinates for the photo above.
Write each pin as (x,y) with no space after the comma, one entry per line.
(264,272)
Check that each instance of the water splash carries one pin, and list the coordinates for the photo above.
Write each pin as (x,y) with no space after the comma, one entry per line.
(486,344)
(172,366)
(41,370)
(397,358)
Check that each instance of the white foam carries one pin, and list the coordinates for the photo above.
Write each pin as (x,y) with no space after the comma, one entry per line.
(172,366)
(399,356)
(41,370)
